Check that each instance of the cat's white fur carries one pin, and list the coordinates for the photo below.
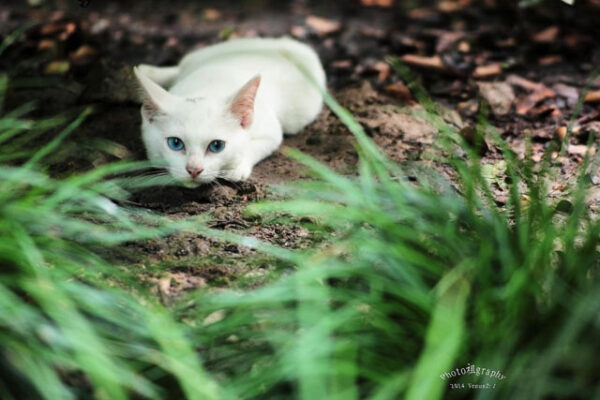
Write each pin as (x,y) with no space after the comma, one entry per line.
(246,92)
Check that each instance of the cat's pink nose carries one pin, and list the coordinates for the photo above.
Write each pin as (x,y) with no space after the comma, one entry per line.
(194,171)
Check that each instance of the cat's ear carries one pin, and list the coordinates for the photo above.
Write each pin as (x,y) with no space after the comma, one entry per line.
(242,105)
(155,99)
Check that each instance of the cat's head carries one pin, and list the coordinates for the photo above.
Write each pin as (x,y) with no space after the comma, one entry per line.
(197,139)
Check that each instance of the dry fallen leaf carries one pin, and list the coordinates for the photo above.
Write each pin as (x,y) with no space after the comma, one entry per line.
(523,83)
(341,64)
(323,26)
(561,133)
(421,13)
(383,69)
(211,14)
(377,3)
(547,35)
(52,29)
(70,28)
(580,150)
(550,60)
(398,90)
(499,95)
(434,62)
(487,71)
(592,97)
(525,104)
(449,6)
(412,128)
(83,54)
(46,44)
(464,46)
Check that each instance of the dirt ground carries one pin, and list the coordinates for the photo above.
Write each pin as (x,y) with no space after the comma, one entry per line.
(529,67)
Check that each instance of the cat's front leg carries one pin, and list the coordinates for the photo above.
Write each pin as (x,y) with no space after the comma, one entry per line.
(257,150)
(241,172)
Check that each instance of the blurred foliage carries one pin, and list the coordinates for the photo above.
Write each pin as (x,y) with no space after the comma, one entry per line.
(66,331)
(417,282)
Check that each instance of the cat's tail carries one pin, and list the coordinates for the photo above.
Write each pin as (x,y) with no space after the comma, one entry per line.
(164,76)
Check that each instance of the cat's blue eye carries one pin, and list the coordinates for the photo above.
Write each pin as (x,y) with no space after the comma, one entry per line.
(175,143)
(216,146)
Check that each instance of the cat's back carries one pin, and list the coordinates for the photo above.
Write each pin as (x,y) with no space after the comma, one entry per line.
(227,65)
(283,64)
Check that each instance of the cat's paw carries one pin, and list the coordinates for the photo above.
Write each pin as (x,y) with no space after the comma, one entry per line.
(240,173)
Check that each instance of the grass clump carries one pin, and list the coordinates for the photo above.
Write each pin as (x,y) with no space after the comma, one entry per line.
(417,286)
(67,330)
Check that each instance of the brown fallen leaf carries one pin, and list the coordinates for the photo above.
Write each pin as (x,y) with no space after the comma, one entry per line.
(525,104)
(547,35)
(46,44)
(550,60)
(434,62)
(448,6)
(398,90)
(83,54)
(544,109)
(487,71)
(341,64)
(383,70)
(211,14)
(323,26)
(467,107)
(421,13)
(592,97)
(523,83)
(561,133)
(52,29)
(464,46)
(377,3)
(580,150)
(411,128)
(70,28)
(499,95)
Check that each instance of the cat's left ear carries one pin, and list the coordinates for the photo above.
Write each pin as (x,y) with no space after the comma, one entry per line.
(155,99)
(242,105)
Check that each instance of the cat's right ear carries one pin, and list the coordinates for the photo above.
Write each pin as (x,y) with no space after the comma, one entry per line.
(155,99)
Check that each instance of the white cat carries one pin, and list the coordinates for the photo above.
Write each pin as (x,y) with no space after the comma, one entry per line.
(227,106)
